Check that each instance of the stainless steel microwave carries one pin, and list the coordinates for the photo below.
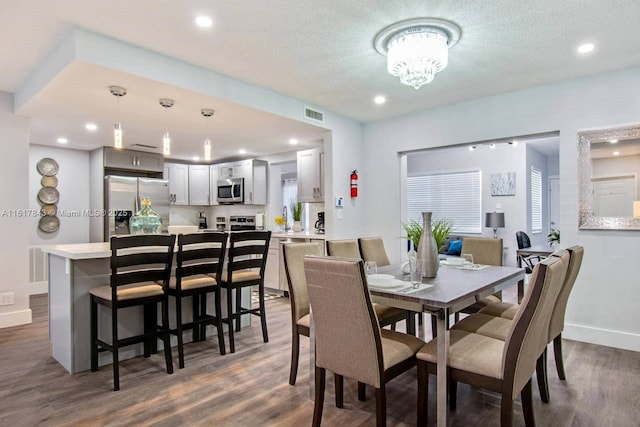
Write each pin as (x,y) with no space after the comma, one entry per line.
(231,190)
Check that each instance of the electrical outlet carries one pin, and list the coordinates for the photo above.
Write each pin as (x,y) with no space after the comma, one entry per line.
(7,298)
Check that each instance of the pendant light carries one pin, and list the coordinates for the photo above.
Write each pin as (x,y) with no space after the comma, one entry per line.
(207,112)
(118,92)
(166,138)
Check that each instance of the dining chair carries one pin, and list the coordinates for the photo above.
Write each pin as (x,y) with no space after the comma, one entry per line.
(198,273)
(524,242)
(348,248)
(348,339)
(294,254)
(503,366)
(372,249)
(245,268)
(140,270)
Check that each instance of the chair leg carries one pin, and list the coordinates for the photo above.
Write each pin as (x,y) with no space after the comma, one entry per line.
(557,352)
(197,315)
(434,329)
(232,345)
(94,335)
(506,409)
(453,394)
(541,374)
(166,336)
(527,405)
(381,406)
(295,354)
(393,327)
(423,393)
(114,346)
(339,385)
(219,330)
(362,391)
(263,315)
(319,403)
(411,323)
(238,308)
(179,331)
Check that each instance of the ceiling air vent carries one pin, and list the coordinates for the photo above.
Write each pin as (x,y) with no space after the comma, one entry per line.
(149,147)
(313,115)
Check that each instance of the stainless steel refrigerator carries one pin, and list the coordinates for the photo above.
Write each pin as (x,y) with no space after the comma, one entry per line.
(122,196)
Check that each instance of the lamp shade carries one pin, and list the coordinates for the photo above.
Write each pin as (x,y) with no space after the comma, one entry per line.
(494,220)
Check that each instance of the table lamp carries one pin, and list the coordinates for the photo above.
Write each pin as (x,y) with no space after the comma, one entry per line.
(494,220)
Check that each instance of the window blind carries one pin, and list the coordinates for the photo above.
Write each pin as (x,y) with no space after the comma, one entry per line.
(536,201)
(455,196)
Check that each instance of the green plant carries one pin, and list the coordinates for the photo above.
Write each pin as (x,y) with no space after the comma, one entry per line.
(441,229)
(553,237)
(296,210)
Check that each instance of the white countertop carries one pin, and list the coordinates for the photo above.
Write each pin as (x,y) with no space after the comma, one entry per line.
(298,235)
(80,250)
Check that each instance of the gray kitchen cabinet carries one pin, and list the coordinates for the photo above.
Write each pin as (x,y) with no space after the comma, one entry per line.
(213,185)
(310,167)
(199,185)
(178,176)
(133,160)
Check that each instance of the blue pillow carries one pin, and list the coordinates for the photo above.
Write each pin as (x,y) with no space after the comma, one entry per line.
(455,247)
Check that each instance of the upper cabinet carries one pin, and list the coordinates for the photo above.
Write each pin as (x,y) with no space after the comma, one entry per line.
(311,175)
(199,185)
(213,185)
(254,173)
(133,160)
(178,176)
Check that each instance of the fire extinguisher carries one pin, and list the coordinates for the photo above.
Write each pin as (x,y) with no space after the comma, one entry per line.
(354,184)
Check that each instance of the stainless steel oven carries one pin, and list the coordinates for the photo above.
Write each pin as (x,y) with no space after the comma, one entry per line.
(231,190)
(242,223)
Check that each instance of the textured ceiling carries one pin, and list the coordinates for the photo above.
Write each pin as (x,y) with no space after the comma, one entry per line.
(322,52)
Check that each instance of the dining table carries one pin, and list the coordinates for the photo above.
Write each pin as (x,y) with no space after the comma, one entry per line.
(454,288)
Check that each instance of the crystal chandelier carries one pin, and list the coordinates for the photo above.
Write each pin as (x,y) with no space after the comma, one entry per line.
(417,49)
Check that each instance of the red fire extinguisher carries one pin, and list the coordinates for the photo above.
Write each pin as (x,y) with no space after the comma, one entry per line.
(354,184)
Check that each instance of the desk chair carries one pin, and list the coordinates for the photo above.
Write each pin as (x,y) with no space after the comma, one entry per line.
(529,261)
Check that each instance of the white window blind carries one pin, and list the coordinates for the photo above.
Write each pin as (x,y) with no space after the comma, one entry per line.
(536,201)
(455,196)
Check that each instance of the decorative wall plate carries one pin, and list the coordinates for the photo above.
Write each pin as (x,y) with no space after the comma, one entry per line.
(49,210)
(49,181)
(49,224)
(47,167)
(48,195)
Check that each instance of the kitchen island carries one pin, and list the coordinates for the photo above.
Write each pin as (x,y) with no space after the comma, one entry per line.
(74,269)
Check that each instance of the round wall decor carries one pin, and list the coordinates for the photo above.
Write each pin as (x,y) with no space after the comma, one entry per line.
(49,181)
(49,224)
(47,167)
(48,195)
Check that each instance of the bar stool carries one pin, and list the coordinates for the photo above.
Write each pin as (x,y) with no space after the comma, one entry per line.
(138,265)
(198,271)
(246,263)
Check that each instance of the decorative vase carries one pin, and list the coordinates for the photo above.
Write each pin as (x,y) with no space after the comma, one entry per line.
(413,269)
(146,221)
(297,226)
(427,259)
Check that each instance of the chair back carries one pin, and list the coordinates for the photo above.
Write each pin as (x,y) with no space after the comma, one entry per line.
(248,250)
(523,240)
(200,254)
(347,333)
(294,254)
(343,248)
(485,250)
(372,249)
(556,325)
(527,338)
(140,258)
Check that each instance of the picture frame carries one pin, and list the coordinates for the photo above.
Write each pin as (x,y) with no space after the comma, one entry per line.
(503,184)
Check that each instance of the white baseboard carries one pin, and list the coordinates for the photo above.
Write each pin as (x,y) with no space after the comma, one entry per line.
(15,318)
(606,337)
(36,288)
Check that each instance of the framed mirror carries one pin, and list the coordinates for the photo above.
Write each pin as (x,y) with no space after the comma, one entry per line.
(608,178)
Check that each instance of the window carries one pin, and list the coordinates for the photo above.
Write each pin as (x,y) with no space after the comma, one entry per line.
(536,201)
(455,196)
(289,196)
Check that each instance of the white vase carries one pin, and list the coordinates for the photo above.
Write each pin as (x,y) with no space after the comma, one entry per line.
(297,226)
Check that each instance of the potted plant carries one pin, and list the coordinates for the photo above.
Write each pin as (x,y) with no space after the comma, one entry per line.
(296,213)
(553,237)
(441,229)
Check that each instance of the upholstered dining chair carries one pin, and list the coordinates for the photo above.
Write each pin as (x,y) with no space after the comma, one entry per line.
(198,272)
(503,366)
(247,260)
(140,270)
(372,249)
(362,351)
(294,254)
(524,242)
(349,248)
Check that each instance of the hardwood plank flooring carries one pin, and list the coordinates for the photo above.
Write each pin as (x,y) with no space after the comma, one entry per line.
(250,387)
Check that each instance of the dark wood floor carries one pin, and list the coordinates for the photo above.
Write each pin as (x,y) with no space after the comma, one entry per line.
(250,388)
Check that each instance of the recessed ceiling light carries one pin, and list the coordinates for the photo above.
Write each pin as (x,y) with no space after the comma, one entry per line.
(472,147)
(204,21)
(614,141)
(514,143)
(62,140)
(91,126)
(379,99)
(492,146)
(616,153)
(242,151)
(196,158)
(585,48)
(293,141)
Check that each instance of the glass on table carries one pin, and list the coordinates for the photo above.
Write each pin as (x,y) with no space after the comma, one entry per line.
(468,258)
(370,267)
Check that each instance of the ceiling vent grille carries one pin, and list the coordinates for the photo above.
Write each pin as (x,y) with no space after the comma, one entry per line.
(313,114)
(149,147)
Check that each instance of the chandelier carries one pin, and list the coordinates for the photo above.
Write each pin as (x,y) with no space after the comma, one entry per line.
(118,92)
(417,49)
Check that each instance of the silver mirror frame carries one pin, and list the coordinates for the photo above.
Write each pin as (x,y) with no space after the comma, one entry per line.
(586,219)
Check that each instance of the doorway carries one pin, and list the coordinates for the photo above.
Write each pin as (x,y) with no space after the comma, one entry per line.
(613,196)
